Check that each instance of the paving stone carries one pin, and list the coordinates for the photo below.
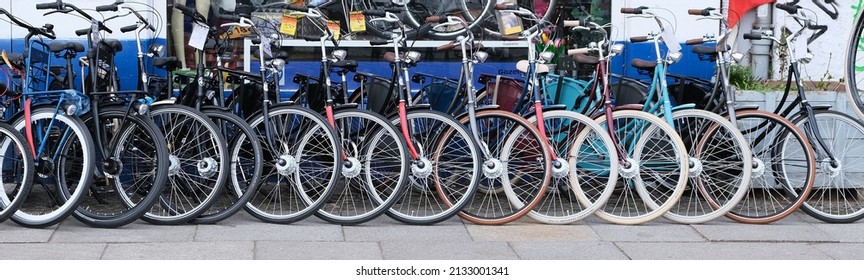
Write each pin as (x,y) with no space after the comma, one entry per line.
(386,231)
(721,251)
(72,231)
(655,231)
(51,251)
(13,233)
(841,251)
(528,232)
(235,250)
(279,250)
(567,250)
(447,250)
(247,228)
(781,231)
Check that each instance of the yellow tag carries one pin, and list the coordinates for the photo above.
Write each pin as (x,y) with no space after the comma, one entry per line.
(358,21)
(236,32)
(289,25)
(333,25)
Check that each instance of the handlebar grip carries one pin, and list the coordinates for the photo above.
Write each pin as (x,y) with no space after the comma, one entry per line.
(505,7)
(436,19)
(571,23)
(378,42)
(298,8)
(229,17)
(752,36)
(637,39)
(448,46)
(105,8)
(577,51)
(311,38)
(792,9)
(695,12)
(695,41)
(129,28)
(374,13)
(628,10)
(82,32)
(510,37)
(46,6)
(186,10)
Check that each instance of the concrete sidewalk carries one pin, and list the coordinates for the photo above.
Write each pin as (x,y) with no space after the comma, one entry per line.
(243,237)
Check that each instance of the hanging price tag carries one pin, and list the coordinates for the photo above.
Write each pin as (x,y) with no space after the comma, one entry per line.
(670,40)
(199,35)
(801,45)
(333,26)
(289,25)
(265,46)
(357,21)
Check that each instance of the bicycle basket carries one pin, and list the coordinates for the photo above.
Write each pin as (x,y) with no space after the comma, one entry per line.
(505,92)
(39,65)
(572,93)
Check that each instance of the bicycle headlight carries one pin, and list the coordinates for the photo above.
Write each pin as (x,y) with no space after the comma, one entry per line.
(480,56)
(141,108)
(412,56)
(675,57)
(338,55)
(547,56)
(69,108)
(278,64)
(616,48)
(157,50)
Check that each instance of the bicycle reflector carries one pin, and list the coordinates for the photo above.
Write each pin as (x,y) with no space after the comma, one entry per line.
(480,56)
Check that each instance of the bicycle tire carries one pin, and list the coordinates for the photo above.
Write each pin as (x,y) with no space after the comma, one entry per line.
(244,173)
(16,163)
(633,202)
(310,185)
(136,185)
(764,203)
(498,199)
(196,177)
(836,197)
(720,166)
(368,192)
(32,213)
(855,72)
(586,177)
(454,169)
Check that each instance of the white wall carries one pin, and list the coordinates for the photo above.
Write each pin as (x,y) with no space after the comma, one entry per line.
(687,26)
(66,24)
(829,50)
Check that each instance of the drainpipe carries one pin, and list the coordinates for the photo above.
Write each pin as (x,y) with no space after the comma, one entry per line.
(760,52)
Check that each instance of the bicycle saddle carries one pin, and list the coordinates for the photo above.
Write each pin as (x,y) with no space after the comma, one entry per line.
(643,64)
(586,59)
(350,65)
(163,62)
(522,66)
(61,46)
(114,44)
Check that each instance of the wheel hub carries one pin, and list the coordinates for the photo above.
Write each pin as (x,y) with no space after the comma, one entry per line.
(111,168)
(758,168)
(286,165)
(207,167)
(826,167)
(45,168)
(695,167)
(560,168)
(174,168)
(421,168)
(493,168)
(351,168)
(630,170)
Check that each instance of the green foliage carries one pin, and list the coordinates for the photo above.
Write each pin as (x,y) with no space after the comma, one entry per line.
(742,78)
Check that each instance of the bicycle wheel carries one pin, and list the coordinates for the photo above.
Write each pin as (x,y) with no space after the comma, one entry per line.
(445,175)
(16,163)
(301,163)
(66,160)
(469,10)
(783,168)
(135,169)
(413,14)
(653,173)
(244,172)
(720,166)
(375,172)
(855,66)
(481,14)
(516,173)
(198,164)
(838,190)
(585,172)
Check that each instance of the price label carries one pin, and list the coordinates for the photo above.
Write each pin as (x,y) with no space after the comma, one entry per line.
(236,32)
(265,46)
(199,35)
(801,44)
(333,26)
(357,21)
(289,24)
(670,40)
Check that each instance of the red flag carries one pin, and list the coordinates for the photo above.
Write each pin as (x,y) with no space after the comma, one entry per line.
(737,9)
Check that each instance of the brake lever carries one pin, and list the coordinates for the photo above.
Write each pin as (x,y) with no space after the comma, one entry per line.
(64,11)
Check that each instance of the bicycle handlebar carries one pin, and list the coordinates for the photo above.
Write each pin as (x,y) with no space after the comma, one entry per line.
(792,9)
